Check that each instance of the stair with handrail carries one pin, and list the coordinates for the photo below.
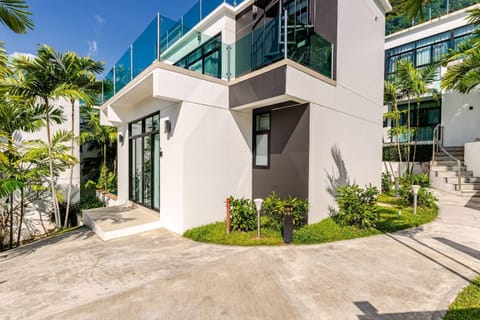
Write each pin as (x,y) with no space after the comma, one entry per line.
(448,172)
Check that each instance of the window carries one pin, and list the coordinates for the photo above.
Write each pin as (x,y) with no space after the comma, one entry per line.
(206,59)
(262,140)
(144,175)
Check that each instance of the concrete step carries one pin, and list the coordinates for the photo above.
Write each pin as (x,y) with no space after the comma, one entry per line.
(452,148)
(456,154)
(447,168)
(447,158)
(453,180)
(471,194)
(449,174)
(448,162)
(467,186)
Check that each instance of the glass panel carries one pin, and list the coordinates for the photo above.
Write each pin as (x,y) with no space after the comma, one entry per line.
(147,169)
(197,66)
(261,149)
(132,170)
(108,86)
(138,191)
(123,71)
(170,32)
(263,122)
(213,64)
(156,171)
(208,6)
(156,122)
(148,124)
(439,50)
(423,56)
(145,48)
(191,18)
(136,128)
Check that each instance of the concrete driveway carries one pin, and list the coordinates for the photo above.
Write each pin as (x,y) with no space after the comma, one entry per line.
(157,275)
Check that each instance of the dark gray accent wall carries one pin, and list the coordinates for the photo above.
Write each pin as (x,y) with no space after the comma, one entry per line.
(326,24)
(266,85)
(289,153)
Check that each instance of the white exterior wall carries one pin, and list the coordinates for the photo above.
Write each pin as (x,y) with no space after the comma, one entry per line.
(461,118)
(472,157)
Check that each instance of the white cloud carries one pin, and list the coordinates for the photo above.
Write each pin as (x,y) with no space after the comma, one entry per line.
(92,48)
(99,19)
(20,54)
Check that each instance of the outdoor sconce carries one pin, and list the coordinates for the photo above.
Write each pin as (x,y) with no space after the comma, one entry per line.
(120,138)
(415,188)
(258,205)
(168,126)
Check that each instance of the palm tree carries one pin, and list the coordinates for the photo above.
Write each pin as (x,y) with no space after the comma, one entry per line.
(464,73)
(98,133)
(392,94)
(39,79)
(415,8)
(79,72)
(14,14)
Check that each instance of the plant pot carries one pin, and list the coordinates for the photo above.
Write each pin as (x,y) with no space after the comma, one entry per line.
(287,228)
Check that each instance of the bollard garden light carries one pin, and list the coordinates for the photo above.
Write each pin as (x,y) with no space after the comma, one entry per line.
(258,205)
(415,188)
(397,195)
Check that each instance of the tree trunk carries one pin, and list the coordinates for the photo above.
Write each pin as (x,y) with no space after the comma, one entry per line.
(70,181)
(22,212)
(416,136)
(11,221)
(105,165)
(408,136)
(397,125)
(56,212)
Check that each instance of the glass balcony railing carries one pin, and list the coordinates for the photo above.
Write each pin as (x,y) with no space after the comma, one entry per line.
(278,38)
(434,9)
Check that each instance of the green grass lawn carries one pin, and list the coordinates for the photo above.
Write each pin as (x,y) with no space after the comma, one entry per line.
(467,304)
(392,217)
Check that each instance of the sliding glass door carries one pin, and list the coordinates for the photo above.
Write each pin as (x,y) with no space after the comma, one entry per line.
(144,138)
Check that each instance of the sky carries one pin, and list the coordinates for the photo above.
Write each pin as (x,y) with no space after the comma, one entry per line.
(103,29)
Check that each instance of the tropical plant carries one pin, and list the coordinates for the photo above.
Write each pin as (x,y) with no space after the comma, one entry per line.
(392,94)
(274,210)
(80,73)
(243,214)
(463,75)
(39,79)
(96,133)
(15,15)
(356,206)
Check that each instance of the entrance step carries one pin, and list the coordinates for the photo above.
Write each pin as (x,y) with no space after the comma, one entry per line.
(120,221)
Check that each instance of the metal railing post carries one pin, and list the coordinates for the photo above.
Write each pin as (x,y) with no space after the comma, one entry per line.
(158,35)
(459,164)
(131,62)
(285,36)
(114,79)
(229,61)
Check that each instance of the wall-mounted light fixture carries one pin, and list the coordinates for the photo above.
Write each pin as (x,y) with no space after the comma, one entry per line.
(120,138)
(168,126)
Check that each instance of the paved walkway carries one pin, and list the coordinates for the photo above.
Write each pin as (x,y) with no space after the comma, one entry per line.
(157,275)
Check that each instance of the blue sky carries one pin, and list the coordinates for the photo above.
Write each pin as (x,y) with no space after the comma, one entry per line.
(103,29)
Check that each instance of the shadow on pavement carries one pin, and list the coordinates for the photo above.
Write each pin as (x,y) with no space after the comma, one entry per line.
(78,234)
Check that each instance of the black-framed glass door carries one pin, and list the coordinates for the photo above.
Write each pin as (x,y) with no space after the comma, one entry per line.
(144,157)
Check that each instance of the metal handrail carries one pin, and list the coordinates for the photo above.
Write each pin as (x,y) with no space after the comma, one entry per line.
(438,146)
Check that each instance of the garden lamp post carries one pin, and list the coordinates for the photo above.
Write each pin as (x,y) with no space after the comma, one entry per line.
(258,205)
(415,188)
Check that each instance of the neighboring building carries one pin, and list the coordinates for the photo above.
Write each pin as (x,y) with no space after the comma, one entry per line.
(245,101)
(456,115)
(425,44)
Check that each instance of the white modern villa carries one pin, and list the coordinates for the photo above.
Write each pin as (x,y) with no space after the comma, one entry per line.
(453,118)
(248,97)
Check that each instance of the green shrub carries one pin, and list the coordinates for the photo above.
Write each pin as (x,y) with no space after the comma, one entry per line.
(89,202)
(356,206)
(243,215)
(386,182)
(422,180)
(424,199)
(274,208)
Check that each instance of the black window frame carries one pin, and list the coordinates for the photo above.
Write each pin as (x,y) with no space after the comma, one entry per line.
(262,132)
(142,135)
